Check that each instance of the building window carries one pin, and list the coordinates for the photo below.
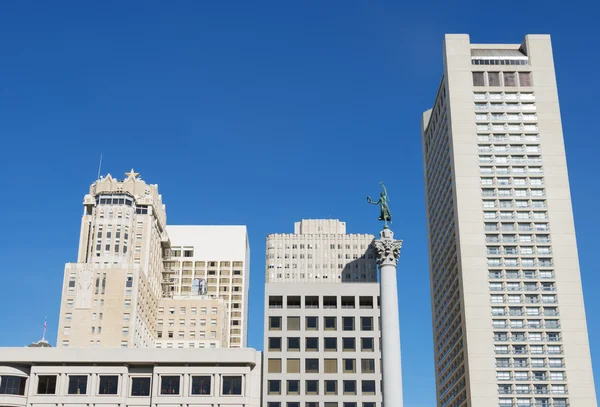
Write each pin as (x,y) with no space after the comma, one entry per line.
(312,344)
(478,79)
(330,344)
(14,385)
(46,385)
(368,387)
(366,323)
(293,345)
(348,344)
(312,323)
(330,387)
(169,385)
(293,365)
(493,78)
(367,345)
(140,386)
(275,344)
(293,323)
(201,385)
(330,323)
(349,365)
(274,387)
(77,384)
(348,323)
(311,365)
(232,385)
(312,387)
(525,79)
(349,387)
(274,323)
(293,387)
(367,366)
(108,385)
(274,366)
(330,365)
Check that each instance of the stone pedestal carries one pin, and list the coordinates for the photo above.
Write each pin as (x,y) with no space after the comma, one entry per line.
(388,253)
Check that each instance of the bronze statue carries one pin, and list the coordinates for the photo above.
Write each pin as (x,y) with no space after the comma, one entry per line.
(385,214)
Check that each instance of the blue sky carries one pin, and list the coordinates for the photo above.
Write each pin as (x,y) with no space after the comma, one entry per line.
(256,113)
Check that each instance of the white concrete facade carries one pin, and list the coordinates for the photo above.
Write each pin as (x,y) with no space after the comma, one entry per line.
(44,377)
(322,335)
(508,313)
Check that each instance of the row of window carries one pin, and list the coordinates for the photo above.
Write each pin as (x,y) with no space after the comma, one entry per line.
(313,301)
(503,96)
(537,375)
(528,349)
(529,389)
(312,365)
(319,404)
(330,387)
(532,362)
(502,79)
(527,298)
(518,274)
(312,323)
(109,385)
(330,344)
(316,246)
(478,61)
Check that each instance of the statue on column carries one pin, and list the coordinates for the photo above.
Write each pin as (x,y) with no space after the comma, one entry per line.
(385,214)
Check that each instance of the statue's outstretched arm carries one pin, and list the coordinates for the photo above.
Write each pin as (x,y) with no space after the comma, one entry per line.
(371,202)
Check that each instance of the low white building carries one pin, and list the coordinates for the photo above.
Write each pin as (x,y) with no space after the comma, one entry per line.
(43,377)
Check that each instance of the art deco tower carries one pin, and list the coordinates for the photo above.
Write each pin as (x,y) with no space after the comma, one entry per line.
(508,314)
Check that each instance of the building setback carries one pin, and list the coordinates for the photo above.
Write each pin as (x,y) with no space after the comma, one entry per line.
(508,314)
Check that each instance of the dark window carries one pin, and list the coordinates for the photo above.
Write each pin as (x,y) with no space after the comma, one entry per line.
(293,386)
(273,404)
(275,344)
(330,386)
(330,323)
(169,384)
(275,301)
(312,387)
(311,404)
(293,344)
(366,323)
(274,386)
(201,384)
(367,366)
(46,385)
(275,323)
(367,344)
(478,79)
(312,323)
(348,323)
(311,366)
(129,282)
(140,386)
(108,385)
(349,404)
(232,385)
(368,404)
(368,387)
(312,344)
(293,301)
(349,386)
(78,384)
(510,79)
(293,404)
(330,344)
(311,302)
(14,385)
(366,302)
(348,344)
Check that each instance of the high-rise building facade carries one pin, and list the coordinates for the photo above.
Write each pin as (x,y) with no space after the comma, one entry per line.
(322,341)
(110,295)
(508,314)
(131,287)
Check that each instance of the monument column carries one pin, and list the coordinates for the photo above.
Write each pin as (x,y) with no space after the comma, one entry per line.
(388,253)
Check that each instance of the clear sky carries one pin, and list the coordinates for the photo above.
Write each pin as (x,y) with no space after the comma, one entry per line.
(256,113)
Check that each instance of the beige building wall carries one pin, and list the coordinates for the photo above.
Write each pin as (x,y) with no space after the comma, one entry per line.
(110,295)
(508,314)
(192,322)
(40,377)
(219,255)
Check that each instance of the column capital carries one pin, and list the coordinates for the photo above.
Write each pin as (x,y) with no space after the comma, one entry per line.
(387,249)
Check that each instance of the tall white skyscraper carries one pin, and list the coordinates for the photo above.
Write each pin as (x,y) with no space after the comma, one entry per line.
(508,314)
(322,346)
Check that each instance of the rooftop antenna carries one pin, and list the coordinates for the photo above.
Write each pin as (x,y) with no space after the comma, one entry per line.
(99,166)
(45,327)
